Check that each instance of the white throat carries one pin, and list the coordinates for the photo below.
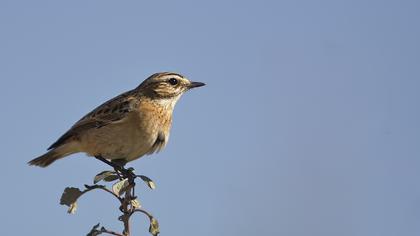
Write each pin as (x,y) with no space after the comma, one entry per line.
(168,103)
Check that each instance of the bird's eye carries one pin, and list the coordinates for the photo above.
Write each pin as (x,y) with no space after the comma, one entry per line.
(173,81)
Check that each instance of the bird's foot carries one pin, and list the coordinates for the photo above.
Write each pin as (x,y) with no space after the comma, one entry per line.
(119,168)
(122,172)
(126,173)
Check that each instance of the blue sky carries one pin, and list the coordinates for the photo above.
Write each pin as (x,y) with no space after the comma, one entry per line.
(308,125)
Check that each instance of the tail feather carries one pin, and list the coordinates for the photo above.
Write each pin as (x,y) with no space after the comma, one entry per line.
(52,155)
(46,159)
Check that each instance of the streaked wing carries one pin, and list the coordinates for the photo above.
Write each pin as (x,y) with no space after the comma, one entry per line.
(112,111)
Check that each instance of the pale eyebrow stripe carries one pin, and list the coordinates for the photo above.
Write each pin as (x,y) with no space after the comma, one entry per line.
(175,74)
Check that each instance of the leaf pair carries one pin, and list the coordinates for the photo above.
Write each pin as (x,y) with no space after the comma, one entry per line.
(110,176)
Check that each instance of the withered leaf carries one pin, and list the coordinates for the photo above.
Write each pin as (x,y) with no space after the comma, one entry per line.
(70,196)
(154,227)
(135,203)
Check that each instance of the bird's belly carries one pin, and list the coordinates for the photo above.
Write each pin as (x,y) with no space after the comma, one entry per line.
(119,141)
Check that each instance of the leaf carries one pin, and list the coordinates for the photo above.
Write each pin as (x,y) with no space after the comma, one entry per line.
(111,178)
(119,187)
(148,181)
(72,209)
(135,203)
(154,227)
(103,175)
(69,198)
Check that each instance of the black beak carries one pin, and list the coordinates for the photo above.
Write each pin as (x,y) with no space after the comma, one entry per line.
(195,85)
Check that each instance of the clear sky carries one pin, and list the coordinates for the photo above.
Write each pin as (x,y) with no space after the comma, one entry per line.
(308,125)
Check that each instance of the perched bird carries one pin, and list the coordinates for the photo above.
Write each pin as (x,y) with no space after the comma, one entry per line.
(126,127)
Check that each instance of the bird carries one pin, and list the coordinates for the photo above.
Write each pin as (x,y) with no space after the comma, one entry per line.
(126,127)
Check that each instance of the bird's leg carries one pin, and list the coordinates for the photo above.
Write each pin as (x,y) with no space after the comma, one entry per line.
(127,173)
(114,165)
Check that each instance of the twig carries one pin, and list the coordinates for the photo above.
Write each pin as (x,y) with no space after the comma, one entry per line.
(92,187)
(142,211)
(127,210)
(124,192)
(111,232)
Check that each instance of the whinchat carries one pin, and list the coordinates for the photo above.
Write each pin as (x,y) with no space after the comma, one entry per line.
(126,127)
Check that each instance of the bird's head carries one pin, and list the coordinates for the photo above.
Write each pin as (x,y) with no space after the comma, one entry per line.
(166,86)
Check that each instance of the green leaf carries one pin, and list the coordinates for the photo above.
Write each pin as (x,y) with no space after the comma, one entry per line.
(69,198)
(111,178)
(119,187)
(148,181)
(103,175)
(154,227)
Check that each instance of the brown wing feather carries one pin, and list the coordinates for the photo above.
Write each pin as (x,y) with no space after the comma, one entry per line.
(109,112)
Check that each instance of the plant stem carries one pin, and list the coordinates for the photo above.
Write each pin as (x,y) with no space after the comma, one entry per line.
(111,232)
(127,208)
